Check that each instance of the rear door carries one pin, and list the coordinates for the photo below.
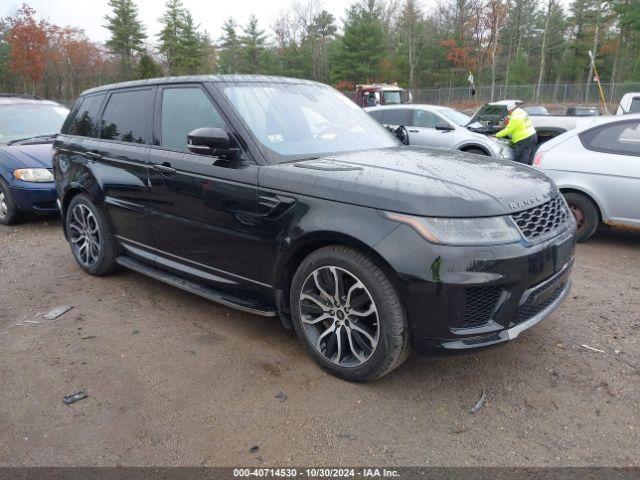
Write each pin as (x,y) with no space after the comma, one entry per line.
(203,213)
(120,159)
(613,163)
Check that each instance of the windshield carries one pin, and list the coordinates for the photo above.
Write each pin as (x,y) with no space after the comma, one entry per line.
(455,116)
(24,120)
(392,97)
(295,121)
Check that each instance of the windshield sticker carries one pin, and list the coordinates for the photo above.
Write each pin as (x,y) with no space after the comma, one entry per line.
(276,138)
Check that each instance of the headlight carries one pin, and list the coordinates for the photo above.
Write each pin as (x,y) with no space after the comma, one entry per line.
(33,175)
(461,231)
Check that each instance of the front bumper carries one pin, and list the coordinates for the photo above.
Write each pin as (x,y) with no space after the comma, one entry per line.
(463,298)
(37,198)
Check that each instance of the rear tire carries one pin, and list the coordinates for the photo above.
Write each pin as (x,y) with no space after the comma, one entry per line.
(9,213)
(586,214)
(90,237)
(358,334)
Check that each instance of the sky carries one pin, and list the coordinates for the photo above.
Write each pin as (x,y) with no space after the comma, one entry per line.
(210,14)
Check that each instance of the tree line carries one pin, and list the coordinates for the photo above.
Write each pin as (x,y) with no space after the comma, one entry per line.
(510,42)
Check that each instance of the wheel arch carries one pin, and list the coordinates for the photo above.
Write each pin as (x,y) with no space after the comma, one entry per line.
(588,195)
(66,198)
(474,146)
(317,240)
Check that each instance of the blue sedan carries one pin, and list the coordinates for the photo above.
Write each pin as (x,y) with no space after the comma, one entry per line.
(28,126)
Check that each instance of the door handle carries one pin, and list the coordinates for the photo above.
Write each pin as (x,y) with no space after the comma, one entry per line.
(413,131)
(165,168)
(93,155)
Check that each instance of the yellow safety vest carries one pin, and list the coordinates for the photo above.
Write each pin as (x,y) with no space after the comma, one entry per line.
(519,126)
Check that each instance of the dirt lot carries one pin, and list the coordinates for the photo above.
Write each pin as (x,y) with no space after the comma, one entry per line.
(175,380)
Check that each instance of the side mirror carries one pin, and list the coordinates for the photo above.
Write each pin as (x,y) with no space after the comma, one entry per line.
(444,127)
(211,141)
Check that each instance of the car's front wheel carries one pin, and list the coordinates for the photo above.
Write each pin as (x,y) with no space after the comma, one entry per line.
(8,209)
(348,315)
(90,236)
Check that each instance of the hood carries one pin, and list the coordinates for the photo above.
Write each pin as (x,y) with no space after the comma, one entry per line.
(417,181)
(31,156)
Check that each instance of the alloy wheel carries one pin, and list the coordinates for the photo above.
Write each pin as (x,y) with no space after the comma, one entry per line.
(84,234)
(4,208)
(339,316)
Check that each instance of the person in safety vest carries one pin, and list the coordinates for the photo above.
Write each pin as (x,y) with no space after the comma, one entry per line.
(522,133)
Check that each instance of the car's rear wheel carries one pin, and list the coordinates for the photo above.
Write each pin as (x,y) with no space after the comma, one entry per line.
(8,209)
(90,237)
(586,214)
(348,315)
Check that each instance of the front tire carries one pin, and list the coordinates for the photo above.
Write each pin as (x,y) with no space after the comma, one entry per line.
(8,209)
(586,214)
(90,237)
(347,314)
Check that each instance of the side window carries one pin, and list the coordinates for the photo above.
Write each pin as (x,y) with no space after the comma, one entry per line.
(128,116)
(376,115)
(635,105)
(425,119)
(622,138)
(84,121)
(184,110)
(397,116)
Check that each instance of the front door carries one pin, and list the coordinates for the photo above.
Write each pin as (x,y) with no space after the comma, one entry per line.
(423,130)
(203,207)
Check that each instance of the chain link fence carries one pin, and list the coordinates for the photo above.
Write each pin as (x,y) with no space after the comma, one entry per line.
(548,94)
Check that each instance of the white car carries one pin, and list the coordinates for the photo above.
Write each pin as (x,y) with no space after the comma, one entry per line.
(597,168)
(437,126)
(630,103)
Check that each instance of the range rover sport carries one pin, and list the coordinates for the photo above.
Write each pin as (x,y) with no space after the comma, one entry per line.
(281,197)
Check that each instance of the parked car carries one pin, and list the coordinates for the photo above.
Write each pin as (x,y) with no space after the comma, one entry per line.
(583,111)
(534,110)
(437,126)
(28,126)
(630,103)
(597,168)
(281,197)
(491,117)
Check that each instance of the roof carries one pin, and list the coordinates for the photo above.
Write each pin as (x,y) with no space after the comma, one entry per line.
(24,100)
(201,78)
(412,106)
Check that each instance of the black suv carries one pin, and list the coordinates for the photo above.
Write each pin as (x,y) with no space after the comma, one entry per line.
(282,197)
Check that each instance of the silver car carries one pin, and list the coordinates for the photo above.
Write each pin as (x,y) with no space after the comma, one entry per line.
(437,126)
(597,167)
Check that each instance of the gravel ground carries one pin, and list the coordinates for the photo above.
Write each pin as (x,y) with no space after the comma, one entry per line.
(176,380)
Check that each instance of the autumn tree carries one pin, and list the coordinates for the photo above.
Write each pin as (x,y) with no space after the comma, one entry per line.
(27,39)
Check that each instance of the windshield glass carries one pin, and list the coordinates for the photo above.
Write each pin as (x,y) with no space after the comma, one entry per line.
(392,97)
(455,116)
(294,121)
(24,120)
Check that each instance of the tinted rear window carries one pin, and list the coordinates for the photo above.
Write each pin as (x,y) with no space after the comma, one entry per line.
(84,119)
(635,105)
(128,116)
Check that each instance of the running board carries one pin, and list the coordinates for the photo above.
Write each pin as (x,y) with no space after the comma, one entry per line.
(192,287)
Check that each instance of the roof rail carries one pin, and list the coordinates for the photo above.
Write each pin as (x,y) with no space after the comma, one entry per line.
(21,95)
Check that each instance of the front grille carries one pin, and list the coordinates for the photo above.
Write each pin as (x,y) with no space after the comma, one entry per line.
(551,291)
(538,222)
(479,305)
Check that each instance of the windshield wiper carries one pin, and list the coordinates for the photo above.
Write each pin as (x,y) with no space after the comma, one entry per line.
(34,137)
